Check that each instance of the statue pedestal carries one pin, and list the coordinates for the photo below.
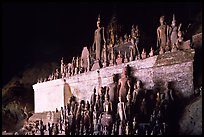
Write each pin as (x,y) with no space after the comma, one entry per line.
(96,65)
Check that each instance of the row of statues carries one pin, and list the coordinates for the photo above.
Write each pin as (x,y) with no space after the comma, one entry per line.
(103,54)
(170,37)
(123,107)
(125,118)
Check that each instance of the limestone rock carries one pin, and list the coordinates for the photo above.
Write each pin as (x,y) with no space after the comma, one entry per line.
(191,120)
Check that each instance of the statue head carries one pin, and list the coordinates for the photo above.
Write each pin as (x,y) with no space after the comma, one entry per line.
(135,86)
(98,21)
(87,105)
(124,71)
(179,33)
(94,90)
(113,78)
(143,51)
(119,98)
(82,103)
(139,83)
(133,26)
(174,20)
(119,54)
(136,27)
(161,19)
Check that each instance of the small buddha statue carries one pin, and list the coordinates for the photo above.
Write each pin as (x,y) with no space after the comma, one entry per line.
(125,59)
(119,59)
(174,48)
(161,51)
(131,55)
(125,38)
(144,54)
(151,52)
(179,42)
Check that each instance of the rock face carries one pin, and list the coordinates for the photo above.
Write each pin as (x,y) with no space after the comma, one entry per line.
(191,120)
(18,94)
(176,67)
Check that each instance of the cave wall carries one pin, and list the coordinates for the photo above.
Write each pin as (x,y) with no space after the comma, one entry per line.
(191,119)
(197,44)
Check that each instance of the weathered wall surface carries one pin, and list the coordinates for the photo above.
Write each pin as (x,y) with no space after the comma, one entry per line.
(197,40)
(48,95)
(82,85)
(176,67)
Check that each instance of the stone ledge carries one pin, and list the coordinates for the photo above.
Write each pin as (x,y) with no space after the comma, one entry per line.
(175,57)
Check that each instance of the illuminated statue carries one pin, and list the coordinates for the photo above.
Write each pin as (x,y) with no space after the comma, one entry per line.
(85,62)
(151,52)
(113,93)
(162,33)
(62,66)
(144,54)
(99,40)
(173,31)
(123,85)
(119,59)
(73,65)
(125,59)
(180,42)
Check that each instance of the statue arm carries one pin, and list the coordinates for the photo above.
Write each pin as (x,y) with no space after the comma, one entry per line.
(179,27)
(118,87)
(170,31)
(111,106)
(103,36)
(128,82)
(168,34)
(158,34)
(81,62)
(93,42)
(133,97)
(158,37)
